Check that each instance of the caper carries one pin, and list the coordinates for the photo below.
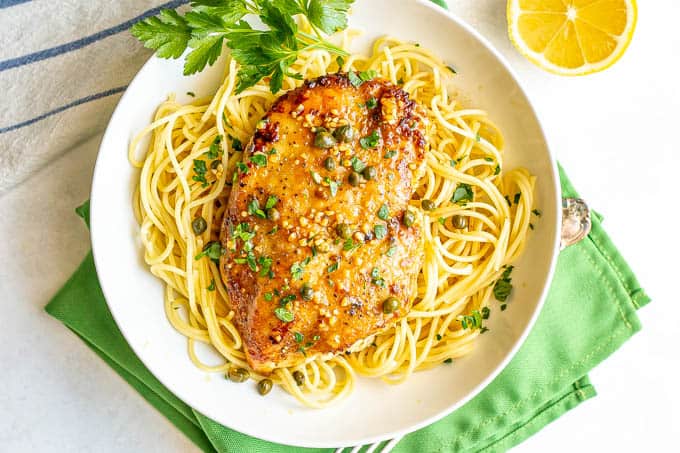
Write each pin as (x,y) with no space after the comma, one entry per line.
(344,134)
(264,386)
(343,230)
(329,164)
(409,218)
(427,205)
(459,221)
(370,173)
(273,214)
(299,377)
(324,139)
(306,292)
(354,179)
(238,374)
(390,305)
(199,225)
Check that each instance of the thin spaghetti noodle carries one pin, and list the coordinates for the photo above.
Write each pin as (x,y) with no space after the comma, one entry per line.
(460,266)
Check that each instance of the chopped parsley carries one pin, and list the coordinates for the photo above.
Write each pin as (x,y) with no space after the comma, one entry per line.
(212,285)
(242,231)
(390,154)
(380,231)
(242,168)
(268,296)
(271,201)
(350,245)
(376,279)
(370,141)
(478,138)
(462,194)
(497,170)
(332,185)
(265,263)
(357,165)
(531,226)
(517,196)
(503,287)
(450,68)
(354,79)
(214,151)
(473,321)
(441,220)
(212,250)
(391,251)
(340,61)
(191,93)
(284,314)
(259,159)
(285,300)
(488,159)
(536,212)
(333,267)
(236,144)
(200,169)
(448,361)
(299,338)
(439,337)
(254,209)
(485,312)
(383,212)
(371,103)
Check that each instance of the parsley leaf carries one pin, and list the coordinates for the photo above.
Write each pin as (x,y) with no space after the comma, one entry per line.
(383,212)
(271,201)
(259,159)
(333,267)
(284,314)
(380,231)
(267,52)
(168,33)
(371,103)
(390,154)
(357,165)
(212,250)
(370,141)
(215,150)
(503,287)
(200,169)
(462,194)
(354,79)
(254,209)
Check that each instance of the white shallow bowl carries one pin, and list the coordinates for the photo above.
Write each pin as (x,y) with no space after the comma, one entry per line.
(375,411)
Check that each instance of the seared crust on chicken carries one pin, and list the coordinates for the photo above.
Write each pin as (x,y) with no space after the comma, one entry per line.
(319,254)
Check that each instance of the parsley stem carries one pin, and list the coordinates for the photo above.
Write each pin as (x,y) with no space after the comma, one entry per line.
(314,42)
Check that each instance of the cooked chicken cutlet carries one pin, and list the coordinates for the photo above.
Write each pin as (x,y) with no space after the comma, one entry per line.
(321,251)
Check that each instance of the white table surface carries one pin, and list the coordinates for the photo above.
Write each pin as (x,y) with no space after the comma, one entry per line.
(616,134)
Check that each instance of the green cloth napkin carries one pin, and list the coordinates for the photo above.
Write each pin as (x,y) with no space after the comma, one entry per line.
(589,313)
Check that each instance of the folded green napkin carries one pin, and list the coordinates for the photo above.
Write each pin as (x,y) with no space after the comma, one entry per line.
(589,313)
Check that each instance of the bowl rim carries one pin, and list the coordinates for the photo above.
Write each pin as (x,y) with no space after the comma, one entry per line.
(396,434)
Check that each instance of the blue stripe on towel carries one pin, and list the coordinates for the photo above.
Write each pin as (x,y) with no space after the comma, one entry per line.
(86,99)
(75,45)
(8,3)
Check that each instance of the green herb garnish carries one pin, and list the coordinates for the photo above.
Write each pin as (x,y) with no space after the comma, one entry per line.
(357,165)
(265,52)
(383,212)
(380,231)
(259,159)
(200,169)
(215,150)
(254,209)
(390,154)
(284,314)
(370,141)
(372,103)
(503,287)
(462,194)
(271,201)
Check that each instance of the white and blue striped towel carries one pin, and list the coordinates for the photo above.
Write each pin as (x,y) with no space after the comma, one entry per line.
(63,66)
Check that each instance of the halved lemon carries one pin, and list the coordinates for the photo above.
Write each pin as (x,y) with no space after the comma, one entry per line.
(572,37)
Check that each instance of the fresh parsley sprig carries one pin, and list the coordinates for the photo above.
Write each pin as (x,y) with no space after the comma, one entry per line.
(261,53)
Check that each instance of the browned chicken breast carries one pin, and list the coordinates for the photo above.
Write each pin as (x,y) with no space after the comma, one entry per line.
(321,249)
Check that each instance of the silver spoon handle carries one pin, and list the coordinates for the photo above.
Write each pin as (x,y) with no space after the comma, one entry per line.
(576,222)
